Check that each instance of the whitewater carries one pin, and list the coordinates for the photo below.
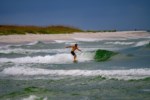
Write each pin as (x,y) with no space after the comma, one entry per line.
(45,70)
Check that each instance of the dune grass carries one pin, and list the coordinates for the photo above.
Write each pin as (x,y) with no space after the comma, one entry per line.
(16,29)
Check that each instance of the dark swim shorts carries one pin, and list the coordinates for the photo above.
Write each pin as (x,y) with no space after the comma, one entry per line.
(72,52)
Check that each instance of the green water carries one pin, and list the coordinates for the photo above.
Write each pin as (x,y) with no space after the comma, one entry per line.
(92,88)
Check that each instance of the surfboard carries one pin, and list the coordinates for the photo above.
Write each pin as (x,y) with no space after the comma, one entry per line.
(75,61)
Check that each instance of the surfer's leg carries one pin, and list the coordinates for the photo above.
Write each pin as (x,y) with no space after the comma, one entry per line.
(75,58)
(74,55)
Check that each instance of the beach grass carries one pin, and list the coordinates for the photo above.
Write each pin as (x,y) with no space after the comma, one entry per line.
(16,29)
(53,29)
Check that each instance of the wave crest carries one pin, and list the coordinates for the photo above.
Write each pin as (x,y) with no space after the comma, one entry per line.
(126,74)
(120,43)
(141,43)
(53,59)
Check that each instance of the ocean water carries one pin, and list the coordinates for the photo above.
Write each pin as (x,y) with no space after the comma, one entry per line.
(45,70)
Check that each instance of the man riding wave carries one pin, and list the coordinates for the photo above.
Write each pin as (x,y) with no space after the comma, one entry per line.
(74,47)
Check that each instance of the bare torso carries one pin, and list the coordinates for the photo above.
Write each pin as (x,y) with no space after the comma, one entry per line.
(74,48)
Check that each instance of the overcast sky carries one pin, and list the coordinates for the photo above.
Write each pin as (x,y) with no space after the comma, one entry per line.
(84,14)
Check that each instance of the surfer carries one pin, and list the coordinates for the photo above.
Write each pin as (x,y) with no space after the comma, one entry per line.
(74,47)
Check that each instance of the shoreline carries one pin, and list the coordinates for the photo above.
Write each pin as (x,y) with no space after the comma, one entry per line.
(28,38)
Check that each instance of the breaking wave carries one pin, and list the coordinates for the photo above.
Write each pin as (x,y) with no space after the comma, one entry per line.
(53,59)
(141,43)
(126,74)
(120,43)
(33,97)
(29,51)
(63,58)
(64,41)
(87,39)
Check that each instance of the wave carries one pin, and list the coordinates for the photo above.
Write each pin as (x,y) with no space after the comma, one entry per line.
(120,43)
(33,97)
(87,39)
(148,45)
(35,43)
(12,46)
(64,41)
(63,58)
(17,50)
(126,74)
(142,43)
(53,59)
(103,55)
(29,51)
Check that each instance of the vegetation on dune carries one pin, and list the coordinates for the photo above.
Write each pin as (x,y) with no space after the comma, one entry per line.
(59,29)
(15,29)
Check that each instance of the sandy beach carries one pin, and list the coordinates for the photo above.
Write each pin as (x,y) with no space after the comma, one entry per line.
(80,35)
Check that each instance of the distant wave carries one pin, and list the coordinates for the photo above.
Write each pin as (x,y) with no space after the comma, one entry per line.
(120,43)
(11,46)
(64,41)
(17,50)
(35,43)
(87,39)
(28,51)
(126,74)
(141,43)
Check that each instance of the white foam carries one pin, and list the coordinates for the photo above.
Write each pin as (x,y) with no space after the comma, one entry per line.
(120,43)
(117,74)
(8,46)
(53,59)
(37,42)
(87,39)
(147,37)
(33,97)
(117,38)
(17,50)
(141,43)
(4,46)
(29,51)
(33,43)
(146,90)
(64,41)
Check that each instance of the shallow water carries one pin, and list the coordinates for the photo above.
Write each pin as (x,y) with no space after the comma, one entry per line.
(45,71)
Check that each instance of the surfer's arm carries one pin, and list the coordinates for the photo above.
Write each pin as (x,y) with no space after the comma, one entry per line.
(79,49)
(69,47)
